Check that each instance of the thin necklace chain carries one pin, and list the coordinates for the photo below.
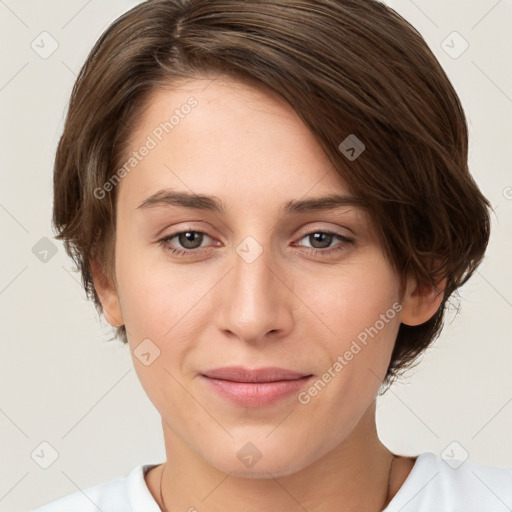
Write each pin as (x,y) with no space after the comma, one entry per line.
(381,508)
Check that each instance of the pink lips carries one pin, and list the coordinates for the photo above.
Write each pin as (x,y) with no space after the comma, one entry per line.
(253,388)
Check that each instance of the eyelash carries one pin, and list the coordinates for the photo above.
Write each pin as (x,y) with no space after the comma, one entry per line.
(324,252)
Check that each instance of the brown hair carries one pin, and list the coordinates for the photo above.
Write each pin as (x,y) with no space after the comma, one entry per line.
(346,67)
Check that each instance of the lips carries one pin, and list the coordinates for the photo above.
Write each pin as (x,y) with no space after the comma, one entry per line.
(238,374)
(254,388)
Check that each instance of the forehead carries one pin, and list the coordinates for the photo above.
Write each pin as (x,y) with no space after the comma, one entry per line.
(226,138)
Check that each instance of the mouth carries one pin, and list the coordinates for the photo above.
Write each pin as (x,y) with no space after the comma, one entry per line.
(255,387)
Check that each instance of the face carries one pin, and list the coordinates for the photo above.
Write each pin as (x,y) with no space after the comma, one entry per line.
(208,295)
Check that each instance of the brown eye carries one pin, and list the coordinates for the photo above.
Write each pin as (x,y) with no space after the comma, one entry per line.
(184,241)
(189,239)
(320,241)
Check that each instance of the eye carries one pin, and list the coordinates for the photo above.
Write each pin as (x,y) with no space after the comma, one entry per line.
(190,240)
(320,241)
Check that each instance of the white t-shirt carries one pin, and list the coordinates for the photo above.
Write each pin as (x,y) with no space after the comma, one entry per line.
(431,486)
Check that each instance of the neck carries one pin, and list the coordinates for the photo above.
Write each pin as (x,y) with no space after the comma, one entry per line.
(354,475)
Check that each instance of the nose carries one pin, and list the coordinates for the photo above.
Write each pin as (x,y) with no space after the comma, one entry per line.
(254,301)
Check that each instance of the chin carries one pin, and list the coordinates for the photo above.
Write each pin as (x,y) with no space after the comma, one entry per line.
(267,466)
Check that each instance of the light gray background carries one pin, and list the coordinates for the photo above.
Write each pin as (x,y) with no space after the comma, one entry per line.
(63,384)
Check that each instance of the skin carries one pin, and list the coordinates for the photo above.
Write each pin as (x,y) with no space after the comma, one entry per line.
(289,308)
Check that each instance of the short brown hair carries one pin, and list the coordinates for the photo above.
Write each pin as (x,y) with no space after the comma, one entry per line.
(346,67)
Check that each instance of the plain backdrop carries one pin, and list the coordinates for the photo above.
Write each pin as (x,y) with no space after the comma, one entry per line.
(71,401)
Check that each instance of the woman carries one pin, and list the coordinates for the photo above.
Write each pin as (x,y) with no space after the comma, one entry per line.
(271,204)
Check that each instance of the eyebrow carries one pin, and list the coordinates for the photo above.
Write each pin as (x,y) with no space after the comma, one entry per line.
(166,197)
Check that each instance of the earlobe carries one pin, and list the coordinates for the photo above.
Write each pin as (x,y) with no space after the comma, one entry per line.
(107,294)
(421,302)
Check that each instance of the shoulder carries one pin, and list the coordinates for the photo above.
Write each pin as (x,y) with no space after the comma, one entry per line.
(121,494)
(453,485)
(99,497)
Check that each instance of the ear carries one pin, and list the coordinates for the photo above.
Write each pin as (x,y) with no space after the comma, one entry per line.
(107,294)
(420,302)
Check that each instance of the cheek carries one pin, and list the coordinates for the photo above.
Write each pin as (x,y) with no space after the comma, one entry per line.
(157,298)
(158,308)
(352,299)
(359,308)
